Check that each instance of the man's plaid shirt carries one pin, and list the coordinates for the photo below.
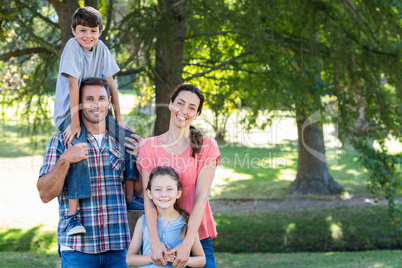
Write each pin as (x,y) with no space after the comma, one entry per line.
(104,215)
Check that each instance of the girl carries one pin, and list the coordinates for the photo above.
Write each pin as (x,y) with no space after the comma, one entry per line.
(194,157)
(164,188)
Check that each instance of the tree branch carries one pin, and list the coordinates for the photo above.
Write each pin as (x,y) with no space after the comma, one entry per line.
(26,51)
(218,66)
(131,71)
(27,30)
(38,14)
(227,69)
(375,51)
(225,33)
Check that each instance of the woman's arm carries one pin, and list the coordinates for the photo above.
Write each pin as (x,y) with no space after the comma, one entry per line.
(204,182)
(157,248)
(133,258)
(198,258)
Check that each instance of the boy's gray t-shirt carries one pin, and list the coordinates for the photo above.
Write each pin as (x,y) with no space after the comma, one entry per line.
(82,64)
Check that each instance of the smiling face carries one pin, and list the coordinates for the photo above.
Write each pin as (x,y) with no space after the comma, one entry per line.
(164,191)
(87,37)
(95,104)
(184,108)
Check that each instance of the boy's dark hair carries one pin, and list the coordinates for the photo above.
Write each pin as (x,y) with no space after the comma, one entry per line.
(95,81)
(88,17)
(159,170)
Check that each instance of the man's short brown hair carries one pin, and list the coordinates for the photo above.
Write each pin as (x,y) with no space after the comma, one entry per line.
(95,81)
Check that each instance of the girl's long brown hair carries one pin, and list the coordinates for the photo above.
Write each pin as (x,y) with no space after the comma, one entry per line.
(170,171)
(196,135)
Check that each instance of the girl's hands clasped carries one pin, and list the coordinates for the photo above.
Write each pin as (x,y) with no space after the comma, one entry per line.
(169,257)
(182,252)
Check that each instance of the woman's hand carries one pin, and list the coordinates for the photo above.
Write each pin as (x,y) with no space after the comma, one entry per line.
(133,144)
(158,252)
(182,254)
(123,123)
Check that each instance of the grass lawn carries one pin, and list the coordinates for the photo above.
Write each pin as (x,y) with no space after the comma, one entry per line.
(27,259)
(384,258)
(253,173)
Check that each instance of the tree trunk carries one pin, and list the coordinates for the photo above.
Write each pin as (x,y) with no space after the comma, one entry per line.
(65,11)
(313,176)
(169,60)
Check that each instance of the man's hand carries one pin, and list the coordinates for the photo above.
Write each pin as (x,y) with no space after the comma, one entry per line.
(51,184)
(123,123)
(158,251)
(75,153)
(70,132)
(133,144)
(182,251)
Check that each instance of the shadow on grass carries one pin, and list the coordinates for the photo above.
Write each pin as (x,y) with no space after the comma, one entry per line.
(34,240)
(253,173)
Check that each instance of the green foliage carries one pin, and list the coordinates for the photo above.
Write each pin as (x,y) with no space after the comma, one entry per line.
(320,230)
(4,26)
(141,123)
(385,177)
(29,77)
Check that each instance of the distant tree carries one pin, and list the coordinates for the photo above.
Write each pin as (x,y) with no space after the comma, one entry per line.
(174,45)
(347,52)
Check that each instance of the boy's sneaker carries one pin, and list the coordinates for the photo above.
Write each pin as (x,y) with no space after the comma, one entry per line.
(74,226)
(136,204)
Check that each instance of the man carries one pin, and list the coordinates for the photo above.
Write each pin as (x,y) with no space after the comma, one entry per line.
(104,214)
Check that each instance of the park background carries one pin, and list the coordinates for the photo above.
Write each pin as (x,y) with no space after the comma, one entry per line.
(304,98)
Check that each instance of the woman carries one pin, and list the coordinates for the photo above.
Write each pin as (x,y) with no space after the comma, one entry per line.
(194,157)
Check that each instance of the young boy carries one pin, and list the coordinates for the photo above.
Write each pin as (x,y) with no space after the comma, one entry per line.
(83,57)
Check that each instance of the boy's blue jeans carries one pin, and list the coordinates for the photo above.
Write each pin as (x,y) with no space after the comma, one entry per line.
(79,184)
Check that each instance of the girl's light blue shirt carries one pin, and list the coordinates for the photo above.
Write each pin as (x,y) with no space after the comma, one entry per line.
(169,236)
